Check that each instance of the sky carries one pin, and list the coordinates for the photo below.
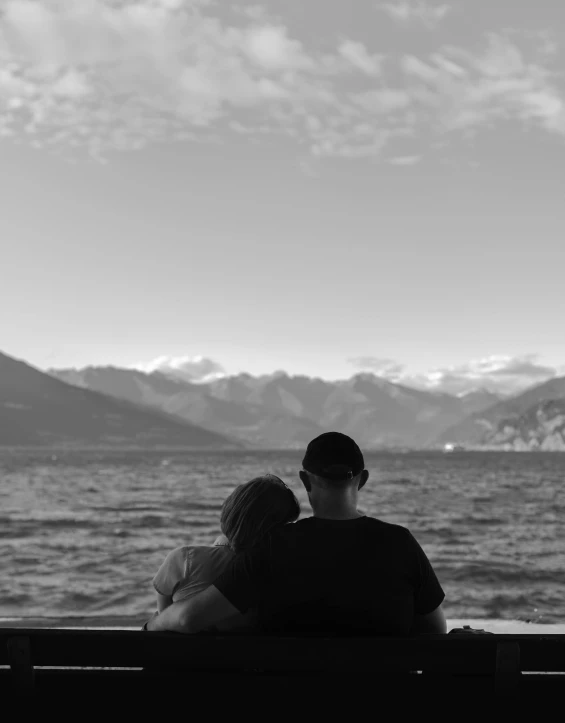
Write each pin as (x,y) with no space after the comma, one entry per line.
(312,186)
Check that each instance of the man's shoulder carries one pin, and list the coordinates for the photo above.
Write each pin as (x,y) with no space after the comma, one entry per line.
(366,523)
(391,528)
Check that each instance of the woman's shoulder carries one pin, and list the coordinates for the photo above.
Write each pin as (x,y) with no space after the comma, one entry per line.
(182,558)
(184,551)
(179,553)
(208,551)
(206,560)
(188,559)
(177,559)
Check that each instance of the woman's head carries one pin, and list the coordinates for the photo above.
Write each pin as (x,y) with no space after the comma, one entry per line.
(254,508)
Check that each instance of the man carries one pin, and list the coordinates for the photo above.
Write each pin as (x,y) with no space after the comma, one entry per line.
(336,572)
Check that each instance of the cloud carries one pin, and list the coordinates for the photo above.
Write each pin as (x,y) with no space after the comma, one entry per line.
(501,374)
(519,367)
(461,89)
(382,367)
(359,57)
(272,49)
(196,369)
(405,160)
(408,11)
(124,74)
(103,75)
(383,100)
(497,373)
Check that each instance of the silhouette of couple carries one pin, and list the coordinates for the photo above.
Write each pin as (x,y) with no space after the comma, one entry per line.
(338,571)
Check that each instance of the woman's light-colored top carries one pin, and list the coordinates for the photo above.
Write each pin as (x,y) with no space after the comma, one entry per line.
(187,571)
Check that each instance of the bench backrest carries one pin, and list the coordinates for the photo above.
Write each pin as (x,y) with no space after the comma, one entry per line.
(501,656)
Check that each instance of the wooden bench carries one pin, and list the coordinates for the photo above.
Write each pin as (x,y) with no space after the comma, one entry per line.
(51,665)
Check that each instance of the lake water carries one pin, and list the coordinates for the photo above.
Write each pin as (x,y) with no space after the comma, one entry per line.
(82,533)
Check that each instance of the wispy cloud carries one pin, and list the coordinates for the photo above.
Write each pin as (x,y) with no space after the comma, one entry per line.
(106,75)
(195,369)
(360,58)
(381,366)
(464,89)
(271,49)
(383,100)
(405,160)
(420,11)
(502,374)
(497,373)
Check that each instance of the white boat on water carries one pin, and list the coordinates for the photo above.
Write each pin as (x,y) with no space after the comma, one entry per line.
(449,447)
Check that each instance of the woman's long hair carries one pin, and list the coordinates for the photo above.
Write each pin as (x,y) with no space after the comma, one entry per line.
(253,509)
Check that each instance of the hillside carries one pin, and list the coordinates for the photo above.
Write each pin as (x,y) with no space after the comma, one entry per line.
(247,420)
(541,428)
(479,400)
(479,426)
(37,409)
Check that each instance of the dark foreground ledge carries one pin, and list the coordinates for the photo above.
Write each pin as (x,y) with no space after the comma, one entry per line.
(54,665)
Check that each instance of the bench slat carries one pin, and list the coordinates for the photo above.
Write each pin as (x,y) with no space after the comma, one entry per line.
(103,648)
(132,649)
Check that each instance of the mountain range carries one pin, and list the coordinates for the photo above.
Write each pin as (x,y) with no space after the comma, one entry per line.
(37,409)
(110,406)
(282,411)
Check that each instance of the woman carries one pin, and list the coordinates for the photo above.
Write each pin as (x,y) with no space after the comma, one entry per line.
(251,511)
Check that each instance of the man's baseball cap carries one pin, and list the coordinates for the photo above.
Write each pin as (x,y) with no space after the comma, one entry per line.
(333,456)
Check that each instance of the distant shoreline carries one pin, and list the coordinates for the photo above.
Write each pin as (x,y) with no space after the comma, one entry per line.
(119,448)
(54,449)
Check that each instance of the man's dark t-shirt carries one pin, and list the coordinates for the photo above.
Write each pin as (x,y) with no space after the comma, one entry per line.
(352,576)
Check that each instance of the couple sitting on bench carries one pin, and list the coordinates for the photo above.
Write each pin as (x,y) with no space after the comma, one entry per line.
(339,571)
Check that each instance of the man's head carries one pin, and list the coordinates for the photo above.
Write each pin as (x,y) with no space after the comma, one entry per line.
(333,462)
